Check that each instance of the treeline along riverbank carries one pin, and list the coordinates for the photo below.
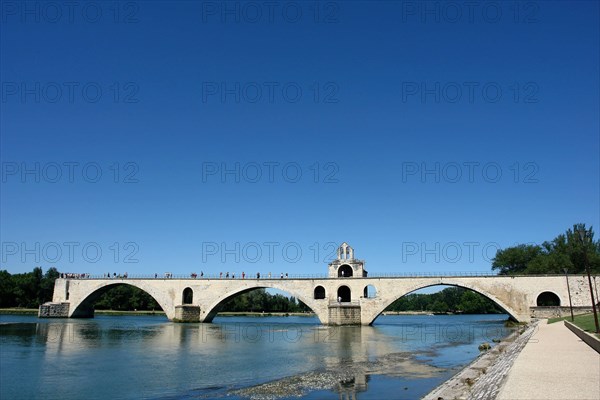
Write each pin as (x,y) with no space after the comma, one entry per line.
(576,250)
(29,290)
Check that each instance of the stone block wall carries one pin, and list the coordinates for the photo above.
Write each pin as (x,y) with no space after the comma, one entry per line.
(187,314)
(553,312)
(54,310)
(344,315)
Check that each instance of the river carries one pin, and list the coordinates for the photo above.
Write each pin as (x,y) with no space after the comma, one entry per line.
(133,357)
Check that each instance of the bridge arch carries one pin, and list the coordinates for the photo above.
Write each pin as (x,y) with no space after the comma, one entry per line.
(187,296)
(390,299)
(345,271)
(84,307)
(319,293)
(370,292)
(344,294)
(547,299)
(214,307)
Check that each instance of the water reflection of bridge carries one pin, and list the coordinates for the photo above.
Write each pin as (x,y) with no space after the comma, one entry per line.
(348,389)
(352,351)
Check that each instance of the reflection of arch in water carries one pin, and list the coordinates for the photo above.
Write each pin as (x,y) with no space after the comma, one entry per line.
(348,388)
(509,310)
(85,308)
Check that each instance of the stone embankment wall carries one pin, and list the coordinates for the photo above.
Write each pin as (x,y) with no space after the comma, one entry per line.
(483,378)
(554,312)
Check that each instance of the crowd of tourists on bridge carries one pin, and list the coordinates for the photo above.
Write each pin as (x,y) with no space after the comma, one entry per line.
(70,275)
(194,275)
(167,275)
(227,276)
(115,276)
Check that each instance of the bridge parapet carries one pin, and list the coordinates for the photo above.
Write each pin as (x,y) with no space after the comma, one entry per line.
(264,277)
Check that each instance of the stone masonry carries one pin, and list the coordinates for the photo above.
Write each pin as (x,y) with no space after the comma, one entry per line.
(54,310)
(517,295)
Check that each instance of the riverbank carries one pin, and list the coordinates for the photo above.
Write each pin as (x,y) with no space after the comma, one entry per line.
(483,378)
(406,313)
(265,314)
(543,361)
(19,311)
(34,311)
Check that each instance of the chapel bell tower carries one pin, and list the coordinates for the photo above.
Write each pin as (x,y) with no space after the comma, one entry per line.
(346,266)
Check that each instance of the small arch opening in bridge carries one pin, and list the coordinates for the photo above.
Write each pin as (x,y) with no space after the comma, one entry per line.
(188,296)
(370,292)
(345,271)
(548,299)
(344,294)
(319,293)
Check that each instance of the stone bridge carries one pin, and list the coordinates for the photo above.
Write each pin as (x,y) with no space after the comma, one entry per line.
(346,297)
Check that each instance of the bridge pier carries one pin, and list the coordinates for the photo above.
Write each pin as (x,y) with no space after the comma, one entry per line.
(54,310)
(187,313)
(344,314)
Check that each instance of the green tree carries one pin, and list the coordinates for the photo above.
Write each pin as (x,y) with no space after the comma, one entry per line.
(454,299)
(439,306)
(259,300)
(569,250)
(47,285)
(7,293)
(514,260)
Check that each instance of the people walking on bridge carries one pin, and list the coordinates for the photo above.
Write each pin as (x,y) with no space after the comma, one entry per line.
(286,275)
(269,274)
(227,275)
(258,275)
(201,274)
(220,275)
(243,275)
(281,276)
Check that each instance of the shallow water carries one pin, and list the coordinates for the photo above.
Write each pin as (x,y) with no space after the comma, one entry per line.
(131,357)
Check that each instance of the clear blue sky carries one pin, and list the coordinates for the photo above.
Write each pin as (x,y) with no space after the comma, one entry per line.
(369,94)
